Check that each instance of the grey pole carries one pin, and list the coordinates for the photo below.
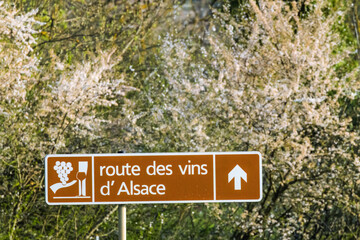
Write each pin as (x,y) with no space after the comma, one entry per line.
(122,221)
(122,217)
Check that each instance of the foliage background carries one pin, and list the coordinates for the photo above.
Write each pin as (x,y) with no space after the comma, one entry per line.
(279,77)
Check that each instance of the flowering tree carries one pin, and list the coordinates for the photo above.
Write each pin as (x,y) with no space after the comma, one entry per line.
(271,76)
(269,79)
(41,108)
(63,77)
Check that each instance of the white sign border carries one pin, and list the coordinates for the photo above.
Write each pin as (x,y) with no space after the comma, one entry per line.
(155,154)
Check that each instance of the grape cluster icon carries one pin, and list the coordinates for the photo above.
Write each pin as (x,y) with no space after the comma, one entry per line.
(63,169)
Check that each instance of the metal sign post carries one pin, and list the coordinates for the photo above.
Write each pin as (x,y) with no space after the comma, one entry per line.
(122,217)
(122,221)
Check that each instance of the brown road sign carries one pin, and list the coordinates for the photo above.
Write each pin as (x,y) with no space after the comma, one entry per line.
(153,178)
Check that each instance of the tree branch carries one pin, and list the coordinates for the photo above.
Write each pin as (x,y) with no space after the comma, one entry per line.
(101,222)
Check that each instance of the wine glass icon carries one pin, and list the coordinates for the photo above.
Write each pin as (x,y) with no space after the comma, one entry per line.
(81,176)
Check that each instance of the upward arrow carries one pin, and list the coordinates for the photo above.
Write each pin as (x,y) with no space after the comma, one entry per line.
(237,173)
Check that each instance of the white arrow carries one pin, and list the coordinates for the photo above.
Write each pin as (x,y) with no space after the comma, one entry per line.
(237,173)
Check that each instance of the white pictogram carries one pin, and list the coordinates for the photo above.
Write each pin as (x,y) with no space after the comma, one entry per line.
(81,176)
(237,173)
(63,169)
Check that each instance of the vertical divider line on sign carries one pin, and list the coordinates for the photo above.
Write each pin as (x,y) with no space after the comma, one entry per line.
(214,178)
(93,178)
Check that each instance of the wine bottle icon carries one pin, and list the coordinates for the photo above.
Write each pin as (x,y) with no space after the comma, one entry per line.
(81,176)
